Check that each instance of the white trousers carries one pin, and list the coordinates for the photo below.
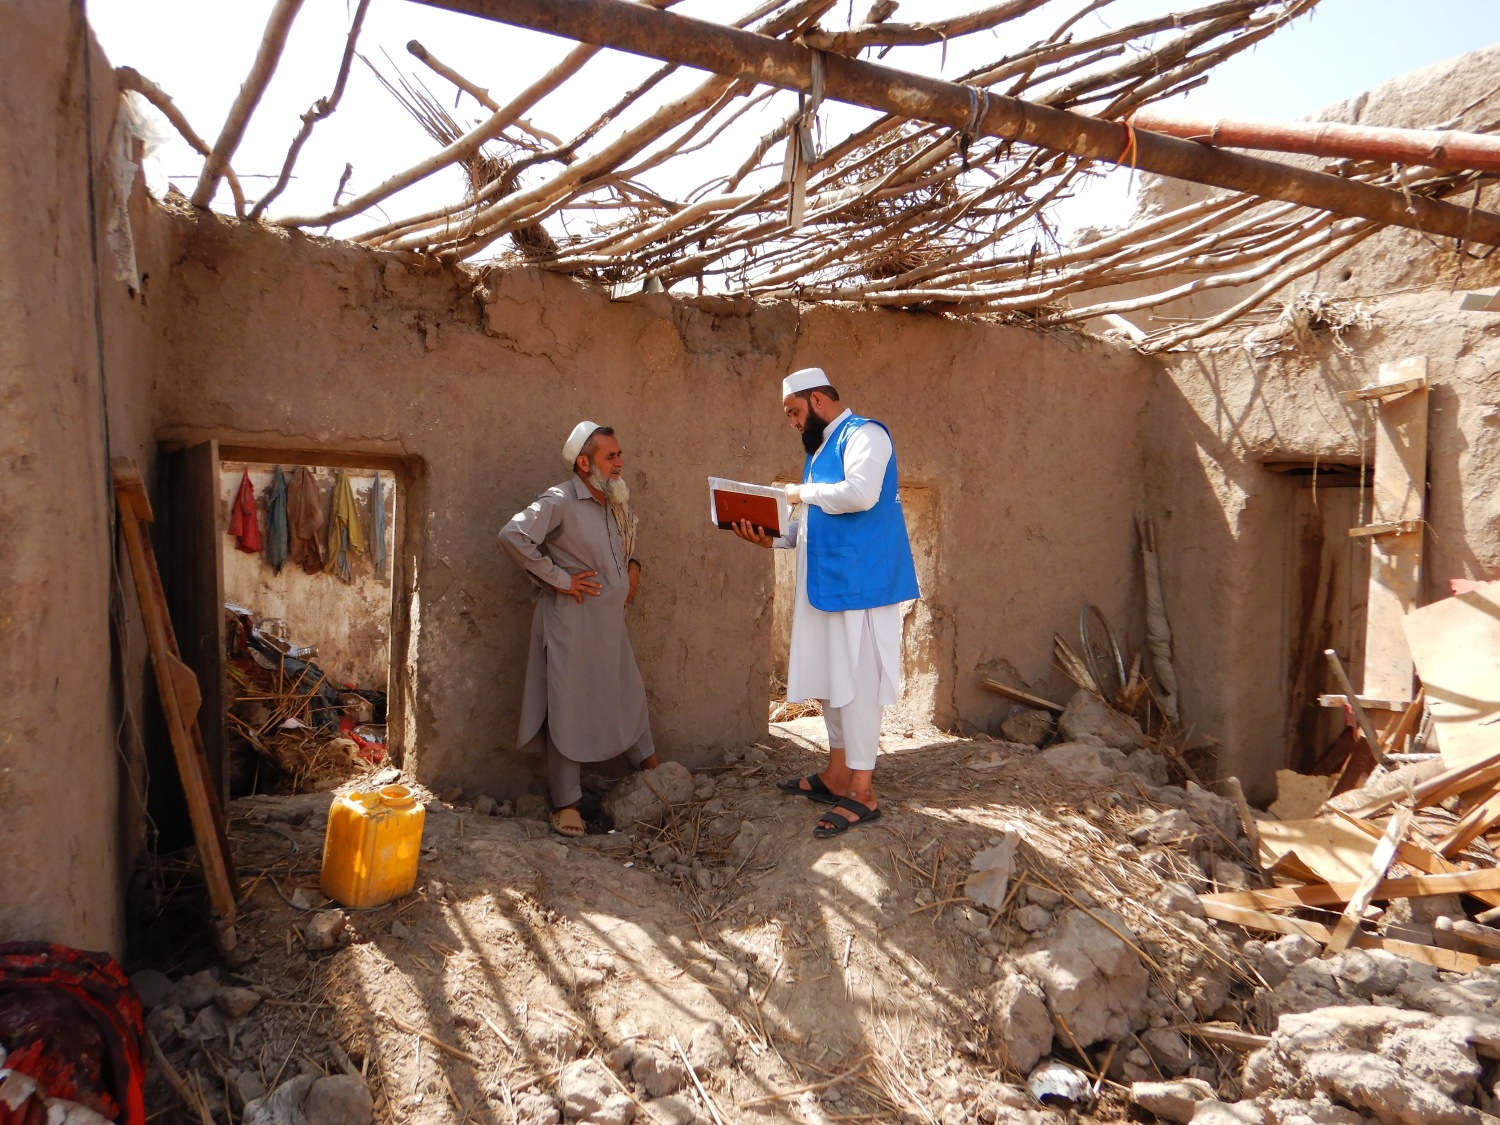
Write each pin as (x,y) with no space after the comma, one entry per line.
(856,726)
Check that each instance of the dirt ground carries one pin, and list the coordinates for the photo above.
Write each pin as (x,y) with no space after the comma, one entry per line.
(811,980)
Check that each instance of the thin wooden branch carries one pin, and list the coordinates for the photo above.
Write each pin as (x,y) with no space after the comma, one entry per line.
(129,78)
(271,44)
(728,51)
(319,110)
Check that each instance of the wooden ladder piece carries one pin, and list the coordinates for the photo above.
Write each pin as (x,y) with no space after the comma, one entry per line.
(180,694)
(1380,861)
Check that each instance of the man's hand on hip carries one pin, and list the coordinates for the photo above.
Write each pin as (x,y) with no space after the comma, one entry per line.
(581,586)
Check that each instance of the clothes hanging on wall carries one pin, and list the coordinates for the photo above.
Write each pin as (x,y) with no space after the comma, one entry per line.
(304,509)
(244,520)
(344,531)
(277,532)
(377,527)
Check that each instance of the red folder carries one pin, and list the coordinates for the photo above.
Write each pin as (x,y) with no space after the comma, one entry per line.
(761,511)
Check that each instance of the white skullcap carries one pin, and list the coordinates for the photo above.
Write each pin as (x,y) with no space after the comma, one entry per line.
(577,439)
(804,380)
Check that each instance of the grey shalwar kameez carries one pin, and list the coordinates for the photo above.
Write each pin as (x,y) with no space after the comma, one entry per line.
(583,691)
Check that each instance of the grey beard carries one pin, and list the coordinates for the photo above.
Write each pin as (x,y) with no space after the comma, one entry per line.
(615,491)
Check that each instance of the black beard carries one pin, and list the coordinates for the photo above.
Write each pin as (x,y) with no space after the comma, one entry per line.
(812,433)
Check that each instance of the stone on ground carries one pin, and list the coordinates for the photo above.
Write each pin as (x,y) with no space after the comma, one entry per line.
(658,1072)
(339,1099)
(153,988)
(1028,727)
(586,1088)
(643,798)
(1092,979)
(236,1002)
(1172,1101)
(1021,1026)
(325,929)
(196,991)
(1089,717)
(1085,762)
(536,1109)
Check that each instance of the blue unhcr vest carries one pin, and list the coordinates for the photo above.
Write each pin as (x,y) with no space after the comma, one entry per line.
(857,560)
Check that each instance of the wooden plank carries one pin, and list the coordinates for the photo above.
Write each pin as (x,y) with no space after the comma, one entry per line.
(1456,645)
(1361,716)
(1021,696)
(1376,391)
(1380,861)
(1332,894)
(1397,497)
(1469,931)
(203,806)
(1475,823)
(1405,527)
(1418,853)
(1327,848)
(1369,703)
(1224,1035)
(1435,790)
(1447,959)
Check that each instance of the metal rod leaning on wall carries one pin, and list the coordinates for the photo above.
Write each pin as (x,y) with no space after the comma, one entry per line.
(745,55)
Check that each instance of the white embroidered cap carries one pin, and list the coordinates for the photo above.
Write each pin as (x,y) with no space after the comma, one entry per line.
(804,380)
(577,439)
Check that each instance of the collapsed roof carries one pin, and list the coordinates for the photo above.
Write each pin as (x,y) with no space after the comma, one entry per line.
(945,206)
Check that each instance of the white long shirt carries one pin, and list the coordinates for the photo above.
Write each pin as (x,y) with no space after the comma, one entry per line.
(825,646)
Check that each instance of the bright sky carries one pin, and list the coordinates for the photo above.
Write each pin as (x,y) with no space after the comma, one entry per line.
(1345,47)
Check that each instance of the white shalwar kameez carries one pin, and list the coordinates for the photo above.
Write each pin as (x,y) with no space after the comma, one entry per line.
(849,660)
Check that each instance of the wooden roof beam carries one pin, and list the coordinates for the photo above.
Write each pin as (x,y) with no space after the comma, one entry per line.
(642,30)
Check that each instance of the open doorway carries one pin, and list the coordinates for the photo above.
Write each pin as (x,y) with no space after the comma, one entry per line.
(308,556)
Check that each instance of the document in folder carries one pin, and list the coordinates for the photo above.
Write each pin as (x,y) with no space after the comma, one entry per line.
(765,506)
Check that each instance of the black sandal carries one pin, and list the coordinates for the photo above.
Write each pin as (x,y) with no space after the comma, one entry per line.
(815,791)
(838,825)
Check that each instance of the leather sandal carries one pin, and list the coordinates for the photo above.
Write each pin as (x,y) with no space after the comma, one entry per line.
(815,790)
(830,825)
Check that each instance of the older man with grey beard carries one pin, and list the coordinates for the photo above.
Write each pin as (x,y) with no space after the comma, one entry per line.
(584,697)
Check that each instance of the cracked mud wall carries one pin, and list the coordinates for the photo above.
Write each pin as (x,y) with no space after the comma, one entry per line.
(70,823)
(1026,444)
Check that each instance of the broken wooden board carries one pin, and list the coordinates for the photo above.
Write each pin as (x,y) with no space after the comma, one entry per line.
(1385,854)
(1332,894)
(1398,496)
(1329,849)
(1420,854)
(1456,646)
(1299,795)
(1447,959)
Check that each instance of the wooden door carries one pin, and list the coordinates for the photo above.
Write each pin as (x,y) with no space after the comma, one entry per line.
(189,545)
(1331,575)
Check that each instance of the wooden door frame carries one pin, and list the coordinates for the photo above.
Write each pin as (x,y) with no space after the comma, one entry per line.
(409,473)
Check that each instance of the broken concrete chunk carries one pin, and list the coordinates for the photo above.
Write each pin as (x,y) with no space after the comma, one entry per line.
(1088,716)
(339,1099)
(236,1002)
(325,929)
(1179,899)
(1169,1049)
(283,1105)
(1228,1113)
(658,1072)
(537,1109)
(1150,765)
(1039,894)
(1172,1101)
(1093,980)
(197,990)
(643,798)
(1033,919)
(1028,726)
(708,1049)
(1020,1025)
(1084,762)
(674,1109)
(484,805)
(585,1087)
(1172,828)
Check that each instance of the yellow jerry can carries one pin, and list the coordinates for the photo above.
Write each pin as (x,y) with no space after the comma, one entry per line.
(370,851)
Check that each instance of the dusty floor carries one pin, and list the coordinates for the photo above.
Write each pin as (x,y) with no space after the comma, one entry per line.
(843,980)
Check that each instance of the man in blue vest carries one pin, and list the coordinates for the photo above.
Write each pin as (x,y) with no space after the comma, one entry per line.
(854,569)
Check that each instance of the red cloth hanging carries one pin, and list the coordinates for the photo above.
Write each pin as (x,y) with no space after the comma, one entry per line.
(244,521)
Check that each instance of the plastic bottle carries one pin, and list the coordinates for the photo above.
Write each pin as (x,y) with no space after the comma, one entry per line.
(371,848)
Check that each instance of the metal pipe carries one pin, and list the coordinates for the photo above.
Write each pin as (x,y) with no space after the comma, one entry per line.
(1434,148)
(713,47)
